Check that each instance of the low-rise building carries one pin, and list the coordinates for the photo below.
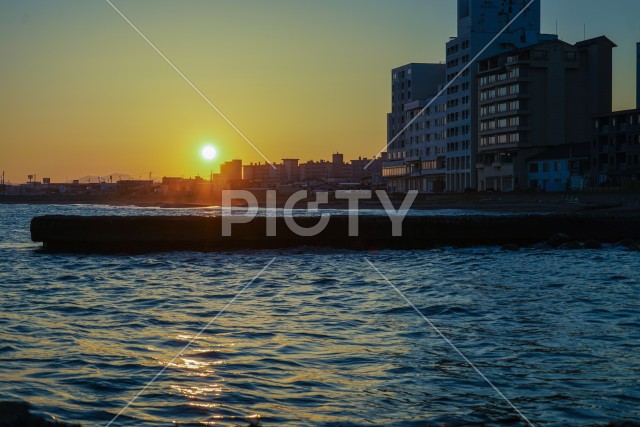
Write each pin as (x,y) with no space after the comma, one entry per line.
(316,171)
(561,168)
(265,173)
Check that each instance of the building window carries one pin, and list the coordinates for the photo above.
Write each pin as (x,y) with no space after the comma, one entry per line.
(533,167)
(540,54)
(394,171)
(570,56)
(429,165)
(545,167)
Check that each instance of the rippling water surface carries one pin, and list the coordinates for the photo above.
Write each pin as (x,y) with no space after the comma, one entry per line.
(319,338)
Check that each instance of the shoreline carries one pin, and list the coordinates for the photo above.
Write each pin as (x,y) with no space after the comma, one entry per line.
(483,202)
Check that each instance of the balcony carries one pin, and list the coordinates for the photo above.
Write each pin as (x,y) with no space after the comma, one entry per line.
(499,147)
(497,170)
(430,172)
(510,129)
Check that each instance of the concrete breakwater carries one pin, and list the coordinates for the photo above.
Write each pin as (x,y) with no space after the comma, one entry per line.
(165,233)
(18,414)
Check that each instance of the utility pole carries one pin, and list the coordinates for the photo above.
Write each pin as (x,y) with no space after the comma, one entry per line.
(3,183)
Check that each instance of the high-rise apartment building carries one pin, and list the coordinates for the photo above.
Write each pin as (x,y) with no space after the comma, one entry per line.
(479,21)
(534,99)
(412,86)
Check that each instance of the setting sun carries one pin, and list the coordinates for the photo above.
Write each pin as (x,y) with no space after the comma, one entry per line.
(209,152)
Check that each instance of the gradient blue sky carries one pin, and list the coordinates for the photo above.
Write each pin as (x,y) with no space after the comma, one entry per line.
(83,94)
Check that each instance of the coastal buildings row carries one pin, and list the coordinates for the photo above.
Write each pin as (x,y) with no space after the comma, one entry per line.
(291,171)
(233,174)
(494,116)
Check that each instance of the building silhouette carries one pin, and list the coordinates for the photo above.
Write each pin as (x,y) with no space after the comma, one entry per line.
(231,171)
(291,173)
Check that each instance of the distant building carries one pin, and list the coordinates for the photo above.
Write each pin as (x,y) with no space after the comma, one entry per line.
(316,171)
(261,172)
(135,186)
(338,167)
(360,173)
(290,170)
(536,98)
(231,171)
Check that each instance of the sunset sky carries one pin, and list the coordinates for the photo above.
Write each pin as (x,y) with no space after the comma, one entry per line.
(83,94)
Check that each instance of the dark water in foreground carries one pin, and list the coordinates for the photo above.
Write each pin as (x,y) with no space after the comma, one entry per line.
(320,338)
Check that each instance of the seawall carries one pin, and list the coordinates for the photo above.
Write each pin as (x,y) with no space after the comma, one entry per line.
(166,233)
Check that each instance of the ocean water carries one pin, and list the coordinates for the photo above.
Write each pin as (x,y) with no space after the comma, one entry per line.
(319,338)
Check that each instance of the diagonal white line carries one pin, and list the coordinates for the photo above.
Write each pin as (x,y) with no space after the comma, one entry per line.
(435,328)
(386,147)
(190,83)
(191,342)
